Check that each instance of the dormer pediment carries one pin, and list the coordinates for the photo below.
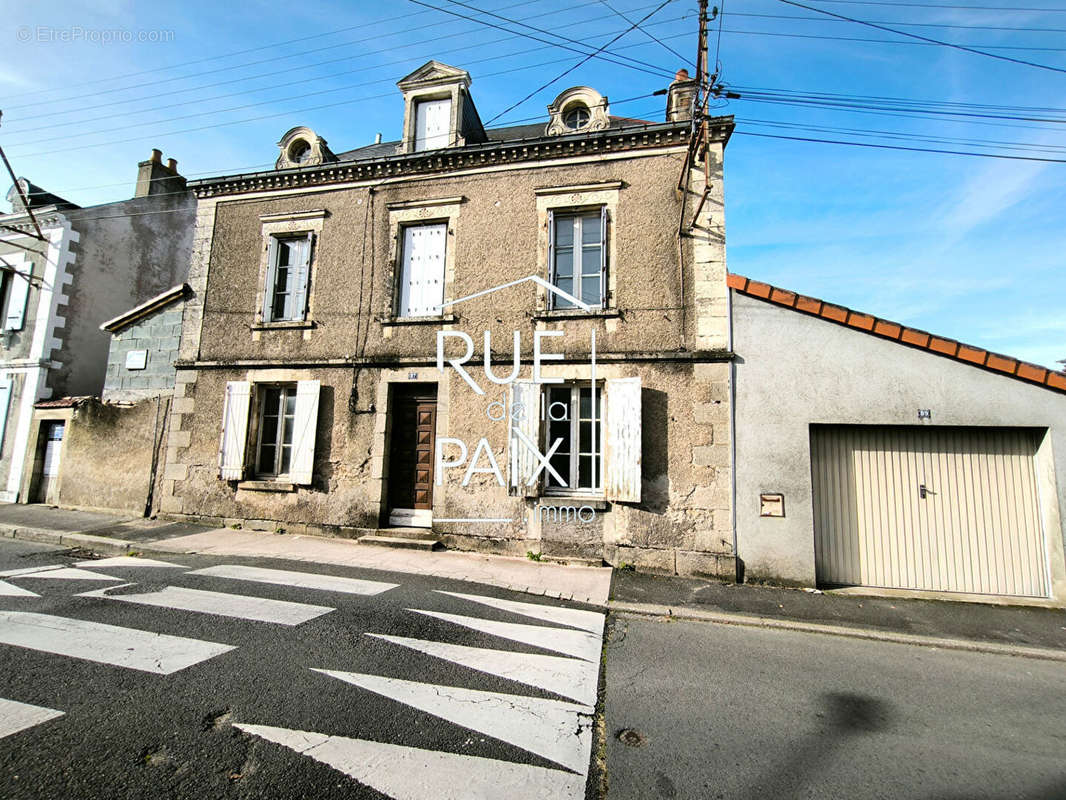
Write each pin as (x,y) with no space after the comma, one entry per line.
(434,73)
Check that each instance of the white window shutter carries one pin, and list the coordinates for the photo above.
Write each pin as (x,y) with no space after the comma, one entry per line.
(524,416)
(234,430)
(301,280)
(422,270)
(17,297)
(433,119)
(622,419)
(5,401)
(271,277)
(603,257)
(305,427)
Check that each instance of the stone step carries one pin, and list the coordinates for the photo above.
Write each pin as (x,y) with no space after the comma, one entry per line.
(420,541)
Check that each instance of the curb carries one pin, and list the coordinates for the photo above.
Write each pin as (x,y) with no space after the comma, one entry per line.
(753,621)
(102,544)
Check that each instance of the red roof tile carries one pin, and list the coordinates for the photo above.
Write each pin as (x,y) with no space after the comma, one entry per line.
(886,329)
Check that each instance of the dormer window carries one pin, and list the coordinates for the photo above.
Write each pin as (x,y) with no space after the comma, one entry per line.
(578,109)
(302,147)
(432,123)
(576,116)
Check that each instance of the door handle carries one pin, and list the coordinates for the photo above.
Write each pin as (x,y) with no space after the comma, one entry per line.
(923,490)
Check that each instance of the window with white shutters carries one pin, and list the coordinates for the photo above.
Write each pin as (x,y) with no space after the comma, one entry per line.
(523,442)
(18,293)
(5,402)
(288,274)
(233,442)
(421,281)
(574,422)
(433,120)
(578,259)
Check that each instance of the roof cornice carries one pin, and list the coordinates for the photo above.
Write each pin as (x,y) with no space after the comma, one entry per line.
(488,154)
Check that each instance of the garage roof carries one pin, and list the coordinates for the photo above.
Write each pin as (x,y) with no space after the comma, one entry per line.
(912,337)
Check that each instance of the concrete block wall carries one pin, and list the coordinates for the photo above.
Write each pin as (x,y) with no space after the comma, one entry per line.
(160,334)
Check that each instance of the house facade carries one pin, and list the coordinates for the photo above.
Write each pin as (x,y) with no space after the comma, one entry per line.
(84,266)
(517,338)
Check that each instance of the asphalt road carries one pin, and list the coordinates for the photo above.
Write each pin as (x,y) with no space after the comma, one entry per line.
(227,684)
(718,711)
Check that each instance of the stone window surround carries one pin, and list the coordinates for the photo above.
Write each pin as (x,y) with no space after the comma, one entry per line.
(576,197)
(415,212)
(283,224)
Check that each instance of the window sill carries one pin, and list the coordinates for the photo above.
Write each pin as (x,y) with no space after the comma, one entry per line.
(577,313)
(266,486)
(592,501)
(284,325)
(443,319)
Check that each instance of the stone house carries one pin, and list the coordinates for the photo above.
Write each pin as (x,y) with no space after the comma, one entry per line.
(510,339)
(84,266)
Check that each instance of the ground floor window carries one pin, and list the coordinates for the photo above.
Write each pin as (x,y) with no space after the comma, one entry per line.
(574,417)
(277,421)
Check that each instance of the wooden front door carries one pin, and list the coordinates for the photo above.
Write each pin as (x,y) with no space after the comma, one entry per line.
(410,476)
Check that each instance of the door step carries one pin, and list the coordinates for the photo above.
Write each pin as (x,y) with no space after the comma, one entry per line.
(410,538)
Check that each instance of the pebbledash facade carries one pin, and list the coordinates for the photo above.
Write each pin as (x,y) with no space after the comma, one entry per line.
(308,392)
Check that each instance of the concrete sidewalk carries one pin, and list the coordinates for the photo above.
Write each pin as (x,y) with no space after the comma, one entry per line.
(1021,630)
(116,535)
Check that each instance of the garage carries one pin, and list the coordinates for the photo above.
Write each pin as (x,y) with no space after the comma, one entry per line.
(950,509)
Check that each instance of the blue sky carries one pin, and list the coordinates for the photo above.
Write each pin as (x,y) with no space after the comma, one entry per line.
(966,247)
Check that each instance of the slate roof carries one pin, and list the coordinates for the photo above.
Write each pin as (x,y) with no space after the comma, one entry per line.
(510,133)
(894,331)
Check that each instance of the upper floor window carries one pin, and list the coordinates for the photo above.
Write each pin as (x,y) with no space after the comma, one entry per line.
(433,119)
(422,259)
(287,278)
(579,256)
(576,116)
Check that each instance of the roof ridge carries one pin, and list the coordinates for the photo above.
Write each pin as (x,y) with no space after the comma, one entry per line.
(903,334)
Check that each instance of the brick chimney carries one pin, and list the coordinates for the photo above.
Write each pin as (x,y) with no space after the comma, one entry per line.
(154,177)
(680,96)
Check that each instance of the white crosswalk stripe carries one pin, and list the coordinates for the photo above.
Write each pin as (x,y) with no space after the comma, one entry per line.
(16,716)
(302,580)
(131,648)
(568,677)
(574,617)
(257,609)
(410,773)
(68,574)
(557,730)
(11,590)
(128,561)
(581,644)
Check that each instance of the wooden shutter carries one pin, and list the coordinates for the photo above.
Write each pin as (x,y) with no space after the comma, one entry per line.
(301,279)
(622,419)
(271,276)
(422,279)
(234,430)
(432,122)
(603,257)
(17,297)
(524,415)
(305,427)
(5,401)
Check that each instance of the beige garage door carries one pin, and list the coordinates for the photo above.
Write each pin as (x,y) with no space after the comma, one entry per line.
(939,509)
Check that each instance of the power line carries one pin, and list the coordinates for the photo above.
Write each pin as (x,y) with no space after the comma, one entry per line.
(585,60)
(890,41)
(904,24)
(902,147)
(300,82)
(245,78)
(919,37)
(645,32)
(937,5)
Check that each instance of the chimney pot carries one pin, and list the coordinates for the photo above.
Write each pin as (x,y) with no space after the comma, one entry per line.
(157,155)
(172,164)
(682,75)
(377,139)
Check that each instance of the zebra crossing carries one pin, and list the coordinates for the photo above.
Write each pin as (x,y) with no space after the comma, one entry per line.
(559,731)
(556,730)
